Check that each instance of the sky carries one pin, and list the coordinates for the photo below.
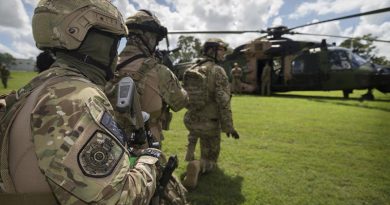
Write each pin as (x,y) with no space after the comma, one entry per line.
(16,32)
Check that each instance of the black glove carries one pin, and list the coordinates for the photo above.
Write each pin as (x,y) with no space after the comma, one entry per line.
(234,134)
(150,152)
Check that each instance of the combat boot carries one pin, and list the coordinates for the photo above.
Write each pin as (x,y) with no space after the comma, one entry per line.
(191,179)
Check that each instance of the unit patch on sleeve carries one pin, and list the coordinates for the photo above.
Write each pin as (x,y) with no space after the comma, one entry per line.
(100,155)
(109,123)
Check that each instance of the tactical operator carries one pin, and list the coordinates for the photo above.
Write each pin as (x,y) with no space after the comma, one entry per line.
(155,83)
(121,91)
(266,79)
(236,74)
(4,73)
(64,143)
(209,110)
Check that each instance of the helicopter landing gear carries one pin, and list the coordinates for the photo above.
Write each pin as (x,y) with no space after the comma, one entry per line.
(368,95)
(346,93)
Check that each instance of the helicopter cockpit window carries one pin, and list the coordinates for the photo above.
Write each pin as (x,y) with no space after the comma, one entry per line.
(339,60)
(357,61)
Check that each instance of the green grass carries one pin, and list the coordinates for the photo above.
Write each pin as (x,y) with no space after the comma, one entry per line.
(17,80)
(317,149)
(295,148)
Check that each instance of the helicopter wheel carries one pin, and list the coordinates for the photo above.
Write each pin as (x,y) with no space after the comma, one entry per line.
(368,95)
(346,93)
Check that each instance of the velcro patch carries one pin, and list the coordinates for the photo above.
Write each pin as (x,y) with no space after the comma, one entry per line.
(109,123)
(100,155)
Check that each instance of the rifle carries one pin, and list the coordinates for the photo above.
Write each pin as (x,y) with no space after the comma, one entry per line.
(170,166)
(125,101)
(125,98)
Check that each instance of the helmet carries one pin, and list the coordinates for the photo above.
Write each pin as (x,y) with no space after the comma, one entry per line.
(145,20)
(236,64)
(64,24)
(213,43)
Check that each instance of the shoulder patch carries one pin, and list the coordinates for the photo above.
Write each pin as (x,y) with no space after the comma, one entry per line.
(100,155)
(109,123)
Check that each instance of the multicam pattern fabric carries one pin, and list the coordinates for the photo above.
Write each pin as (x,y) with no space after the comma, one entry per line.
(236,73)
(208,122)
(155,84)
(217,114)
(66,130)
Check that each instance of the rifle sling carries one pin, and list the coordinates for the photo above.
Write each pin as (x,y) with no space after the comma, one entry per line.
(128,61)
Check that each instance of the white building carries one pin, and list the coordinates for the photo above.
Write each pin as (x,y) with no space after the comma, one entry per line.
(22,64)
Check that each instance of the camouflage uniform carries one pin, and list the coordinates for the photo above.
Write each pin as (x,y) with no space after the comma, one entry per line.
(266,80)
(206,123)
(156,84)
(4,73)
(236,74)
(64,143)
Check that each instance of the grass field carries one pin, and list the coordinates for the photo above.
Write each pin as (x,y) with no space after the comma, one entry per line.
(295,148)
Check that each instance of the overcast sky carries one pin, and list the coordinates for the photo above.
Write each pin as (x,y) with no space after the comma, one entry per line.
(16,37)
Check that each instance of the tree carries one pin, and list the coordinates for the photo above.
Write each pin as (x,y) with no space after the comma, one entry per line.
(6,58)
(190,48)
(363,46)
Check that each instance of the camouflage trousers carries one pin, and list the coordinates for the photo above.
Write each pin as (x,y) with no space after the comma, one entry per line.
(236,85)
(210,147)
(208,131)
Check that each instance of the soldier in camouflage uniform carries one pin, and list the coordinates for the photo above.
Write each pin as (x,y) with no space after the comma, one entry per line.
(156,84)
(236,74)
(4,74)
(64,143)
(207,122)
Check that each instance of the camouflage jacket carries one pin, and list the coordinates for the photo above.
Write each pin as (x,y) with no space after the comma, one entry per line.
(218,106)
(79,147)
(154,82)
(156,85)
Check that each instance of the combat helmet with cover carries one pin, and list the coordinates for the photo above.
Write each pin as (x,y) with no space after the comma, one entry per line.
(145,20)
(213,43)
(211,46)
(65,24)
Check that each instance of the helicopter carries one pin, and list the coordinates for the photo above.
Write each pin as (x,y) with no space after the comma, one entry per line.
(301,65)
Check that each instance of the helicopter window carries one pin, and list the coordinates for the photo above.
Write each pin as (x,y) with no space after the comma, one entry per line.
(358,61)
(297,66)
(339,60)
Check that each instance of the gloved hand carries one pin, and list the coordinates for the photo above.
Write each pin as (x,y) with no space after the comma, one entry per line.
(234,134)
(150,152)
(152,156)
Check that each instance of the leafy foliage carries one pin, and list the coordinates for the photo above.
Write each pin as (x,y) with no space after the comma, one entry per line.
(364,47)
(190,48)
(6,58)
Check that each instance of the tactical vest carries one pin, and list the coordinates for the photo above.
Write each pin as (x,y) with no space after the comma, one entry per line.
(144,74)
(15,121)
(196,83)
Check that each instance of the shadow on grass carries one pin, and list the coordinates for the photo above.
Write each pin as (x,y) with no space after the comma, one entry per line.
(328,99)
(324,97)
(217,188)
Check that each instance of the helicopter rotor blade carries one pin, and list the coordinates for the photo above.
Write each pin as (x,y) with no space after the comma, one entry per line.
(345,17)
(215,32)
(335,36)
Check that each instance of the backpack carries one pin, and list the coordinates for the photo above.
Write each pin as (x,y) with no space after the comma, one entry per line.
(195,81)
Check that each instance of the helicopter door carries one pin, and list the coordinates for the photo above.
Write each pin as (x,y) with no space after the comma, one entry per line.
(305,72)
